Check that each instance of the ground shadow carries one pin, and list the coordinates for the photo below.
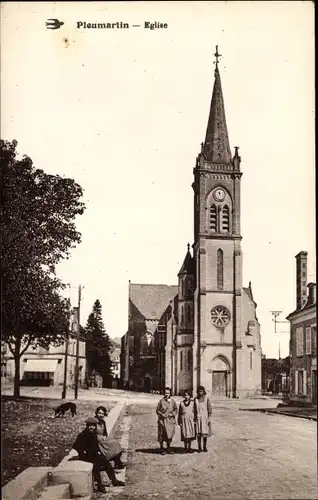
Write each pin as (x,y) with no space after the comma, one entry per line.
(5,397)
(156,451)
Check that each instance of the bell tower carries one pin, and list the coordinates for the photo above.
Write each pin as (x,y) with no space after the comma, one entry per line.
(217,253)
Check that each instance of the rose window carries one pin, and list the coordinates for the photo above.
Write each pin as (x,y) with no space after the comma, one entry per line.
(220,316)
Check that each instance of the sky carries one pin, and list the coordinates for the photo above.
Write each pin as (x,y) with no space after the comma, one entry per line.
(123,112)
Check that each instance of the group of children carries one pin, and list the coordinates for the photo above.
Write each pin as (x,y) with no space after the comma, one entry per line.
(193,417)
(94,445)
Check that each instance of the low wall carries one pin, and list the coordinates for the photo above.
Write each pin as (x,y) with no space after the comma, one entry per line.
(30,483)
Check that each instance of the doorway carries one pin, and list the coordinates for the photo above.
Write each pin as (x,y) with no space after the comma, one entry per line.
(219,383)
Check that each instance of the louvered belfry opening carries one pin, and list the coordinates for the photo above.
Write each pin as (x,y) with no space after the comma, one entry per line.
(213,219)
(226,219)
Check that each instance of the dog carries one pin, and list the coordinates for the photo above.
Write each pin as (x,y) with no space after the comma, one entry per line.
(60,410)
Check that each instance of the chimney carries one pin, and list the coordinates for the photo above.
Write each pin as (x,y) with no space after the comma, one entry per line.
(311,294)
(301,279)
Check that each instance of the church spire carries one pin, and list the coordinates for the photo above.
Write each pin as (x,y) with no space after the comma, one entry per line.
(216,147)
(188,263)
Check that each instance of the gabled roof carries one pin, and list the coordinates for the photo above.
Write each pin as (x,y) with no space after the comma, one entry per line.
(151,300)
(248,291)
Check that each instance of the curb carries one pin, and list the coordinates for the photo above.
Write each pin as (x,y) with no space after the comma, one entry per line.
(274,412)
(306,417)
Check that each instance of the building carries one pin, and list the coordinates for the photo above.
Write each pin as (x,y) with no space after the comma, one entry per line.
(115,360)
(47,366)
(145,344)
(303,338)
(205,330)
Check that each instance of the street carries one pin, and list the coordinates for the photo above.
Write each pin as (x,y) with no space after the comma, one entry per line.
(250,455)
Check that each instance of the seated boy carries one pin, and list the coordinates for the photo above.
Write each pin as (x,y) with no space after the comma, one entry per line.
(87,449)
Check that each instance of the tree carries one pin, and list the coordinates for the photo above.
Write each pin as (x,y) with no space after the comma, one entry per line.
(273,369)
(37,231)
(98,345)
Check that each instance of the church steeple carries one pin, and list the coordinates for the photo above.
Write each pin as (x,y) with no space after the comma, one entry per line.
(216,147)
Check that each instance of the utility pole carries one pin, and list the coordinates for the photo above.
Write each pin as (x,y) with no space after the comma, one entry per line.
(77,340)
(66,348)
(276,314)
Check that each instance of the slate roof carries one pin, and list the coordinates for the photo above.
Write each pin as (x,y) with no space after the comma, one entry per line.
(305,308)
(217,146)
(152,300)
(188,266)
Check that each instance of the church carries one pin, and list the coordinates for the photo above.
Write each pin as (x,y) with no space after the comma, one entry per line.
(204,330)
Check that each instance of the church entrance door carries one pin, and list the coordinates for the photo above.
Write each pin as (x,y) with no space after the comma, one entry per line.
(147,384)
(219,383)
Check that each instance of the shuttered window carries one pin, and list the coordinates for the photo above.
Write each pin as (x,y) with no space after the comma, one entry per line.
(181,360)
(308,340)
(299,341)
(314,340)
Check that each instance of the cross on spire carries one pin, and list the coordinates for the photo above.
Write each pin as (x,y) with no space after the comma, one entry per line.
(188,245)
(217,55)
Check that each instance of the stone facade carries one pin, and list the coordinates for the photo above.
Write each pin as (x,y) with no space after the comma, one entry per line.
(143,350)
(303,338)
(207,332)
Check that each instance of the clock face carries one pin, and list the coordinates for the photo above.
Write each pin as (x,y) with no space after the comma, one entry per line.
(219,194)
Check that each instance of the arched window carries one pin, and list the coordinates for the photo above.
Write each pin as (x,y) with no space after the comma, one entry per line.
(213,219)
(182,316)
(182,288)
(226,219)
(189,311)
(219,269)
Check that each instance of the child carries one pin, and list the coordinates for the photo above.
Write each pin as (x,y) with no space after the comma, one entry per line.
(186,421)
(166,411)
(87,449)
(202,417)
(110,448)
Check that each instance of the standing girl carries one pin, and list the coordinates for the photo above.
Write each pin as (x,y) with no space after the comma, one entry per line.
(202,416)
(166,411)
(186,421)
